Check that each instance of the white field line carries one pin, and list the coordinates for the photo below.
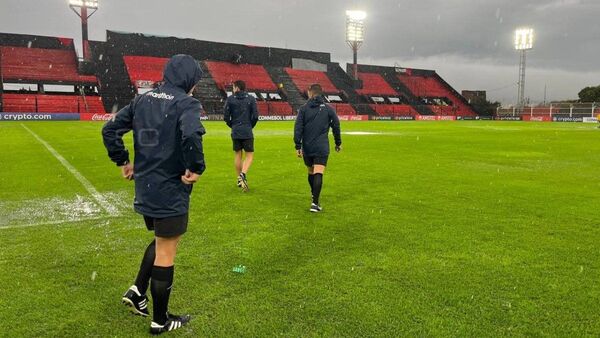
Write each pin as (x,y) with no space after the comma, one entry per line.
(110,209)
(83,219)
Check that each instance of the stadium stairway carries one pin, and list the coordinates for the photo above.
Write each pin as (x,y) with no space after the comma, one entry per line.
(116,88)
(465,102)
(414,101)
(208,93)
(343,82)
(279,76)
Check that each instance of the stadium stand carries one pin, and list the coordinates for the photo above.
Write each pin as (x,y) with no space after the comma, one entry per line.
(380,95)
(304,78)
(35,64)
(47,65)
(144,71)
(36,103)
(255,76)
(128,64)
(374,84)
(432,86)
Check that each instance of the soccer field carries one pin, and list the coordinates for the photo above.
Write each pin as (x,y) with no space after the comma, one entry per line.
(428,229)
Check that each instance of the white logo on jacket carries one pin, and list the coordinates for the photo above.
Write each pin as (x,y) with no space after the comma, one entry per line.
(163,96)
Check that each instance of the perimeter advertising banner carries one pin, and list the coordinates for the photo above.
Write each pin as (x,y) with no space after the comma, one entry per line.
(509,118)
(391,118)
(277,118)
(353,117)
(567,119)
(435,118)
(537,118)
(95,117)
(39,117)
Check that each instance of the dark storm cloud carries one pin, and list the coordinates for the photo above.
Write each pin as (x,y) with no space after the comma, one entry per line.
(567,31)
(451,36)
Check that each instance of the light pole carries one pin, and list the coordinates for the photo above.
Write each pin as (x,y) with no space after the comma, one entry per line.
(355,35)
(523,43)
(81,7)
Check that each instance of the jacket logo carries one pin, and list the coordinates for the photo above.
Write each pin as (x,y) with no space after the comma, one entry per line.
(163,96)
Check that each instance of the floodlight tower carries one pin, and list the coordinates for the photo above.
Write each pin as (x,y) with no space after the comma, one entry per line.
(355,35)
(523,43)
(81,7)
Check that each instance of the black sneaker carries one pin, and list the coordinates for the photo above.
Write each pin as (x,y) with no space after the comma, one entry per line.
(173,323)
(315,208)
(244,182)
(137,303)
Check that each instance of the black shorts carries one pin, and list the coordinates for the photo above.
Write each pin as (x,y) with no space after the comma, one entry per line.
(167,227)
(315,160)
(243,144)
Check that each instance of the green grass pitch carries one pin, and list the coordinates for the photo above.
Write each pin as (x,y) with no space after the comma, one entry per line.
(429,229)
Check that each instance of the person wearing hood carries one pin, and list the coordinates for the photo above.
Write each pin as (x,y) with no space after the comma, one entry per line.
(169,159)
(241,115)
(311,136)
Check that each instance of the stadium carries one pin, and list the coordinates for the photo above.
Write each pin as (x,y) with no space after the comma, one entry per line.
(444,214)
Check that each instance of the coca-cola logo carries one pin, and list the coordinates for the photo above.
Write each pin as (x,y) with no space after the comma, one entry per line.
(101,117)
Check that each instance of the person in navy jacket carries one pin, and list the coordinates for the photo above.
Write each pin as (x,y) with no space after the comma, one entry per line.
(241,115)
(169,159)
(311,137)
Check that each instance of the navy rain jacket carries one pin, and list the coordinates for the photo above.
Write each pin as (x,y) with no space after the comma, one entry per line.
(312,127)
(241,115)
(167,136)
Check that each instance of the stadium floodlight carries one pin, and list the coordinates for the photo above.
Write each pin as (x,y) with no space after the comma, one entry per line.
(81,7)
(523,43)
(355,34)
(524,39)
(93,4)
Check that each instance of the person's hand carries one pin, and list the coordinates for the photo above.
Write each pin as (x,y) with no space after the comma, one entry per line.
(190,178)
(299,153)
(338,148)
(127,171)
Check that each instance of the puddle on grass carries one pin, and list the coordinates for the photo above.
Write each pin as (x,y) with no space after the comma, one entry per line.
(58,209)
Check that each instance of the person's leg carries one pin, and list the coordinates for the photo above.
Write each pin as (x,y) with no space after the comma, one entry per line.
(143,277)
(311,178)
(238,162)
(247,162)
(318,171)
(162,276)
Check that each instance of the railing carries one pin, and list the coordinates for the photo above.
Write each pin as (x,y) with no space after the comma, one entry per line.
(571,110)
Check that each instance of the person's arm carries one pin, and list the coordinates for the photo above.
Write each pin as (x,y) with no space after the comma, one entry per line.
(299,131)
(191,141)
(335,127)
(112,135)
(227,113)
(253,113)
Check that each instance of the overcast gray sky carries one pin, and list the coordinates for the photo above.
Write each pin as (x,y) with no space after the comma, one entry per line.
(469,42)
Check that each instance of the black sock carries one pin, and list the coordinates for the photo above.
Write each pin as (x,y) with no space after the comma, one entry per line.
(143,278)
(162,282)
(311,180)
(317,185)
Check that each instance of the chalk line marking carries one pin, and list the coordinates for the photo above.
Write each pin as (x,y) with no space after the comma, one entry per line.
(110,209)
(83,219)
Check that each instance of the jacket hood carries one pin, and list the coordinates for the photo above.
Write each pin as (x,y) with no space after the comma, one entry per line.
(241,95)
(182,71)
(316,101)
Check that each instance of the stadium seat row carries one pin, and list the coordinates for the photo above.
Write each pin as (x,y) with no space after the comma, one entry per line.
(34,103)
